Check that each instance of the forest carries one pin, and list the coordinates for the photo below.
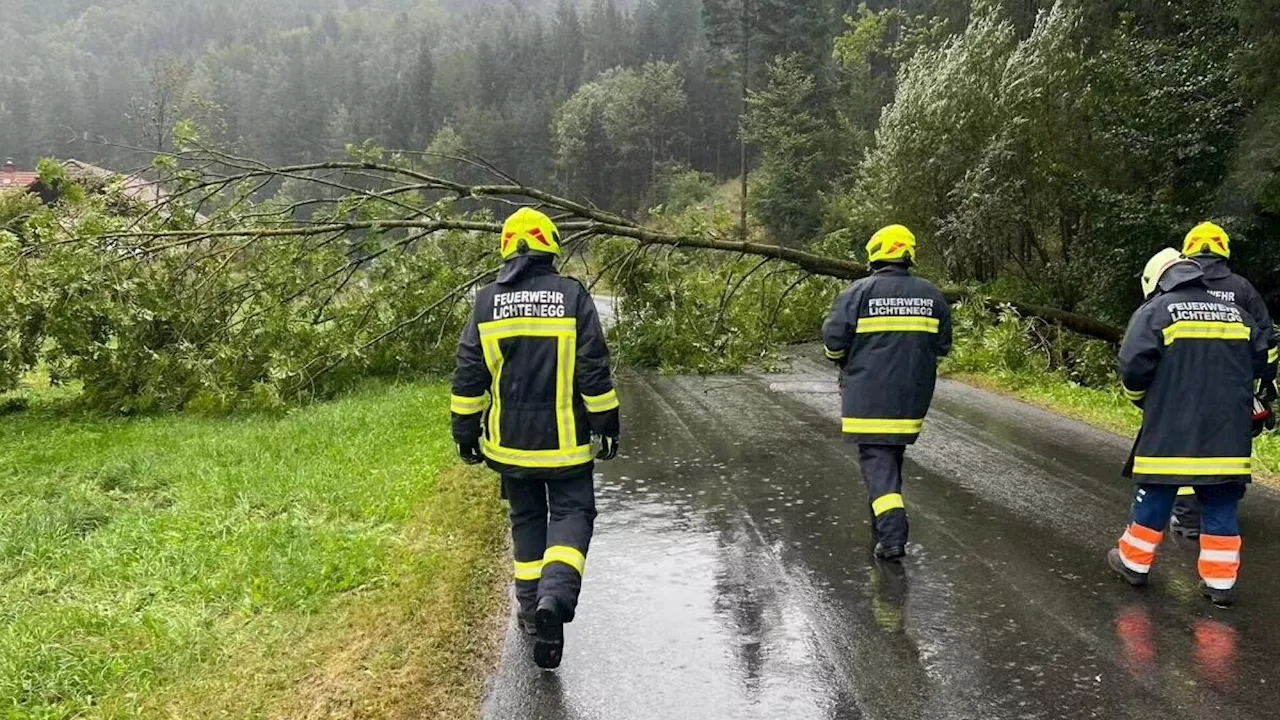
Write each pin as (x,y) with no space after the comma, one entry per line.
(1041,150)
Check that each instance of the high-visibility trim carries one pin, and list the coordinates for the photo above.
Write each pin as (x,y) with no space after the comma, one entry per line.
(529,570)
(493,358)
(877,426)
(1146,534)
(1192,466)
(572,457)
(602,403)
(572,557)
(1134,395)
(528,327)
(834,354)
(887,503)
(565,332)
(1141,545)
(1220,560)
(1186,491)
(1221,542)
(1273,356)
(1198,330)
(566,423)
(1138,547)
(897,323)
(463,405)
(1221,556)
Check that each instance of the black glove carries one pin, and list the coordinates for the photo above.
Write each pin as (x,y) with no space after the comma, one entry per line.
(470,452)
(1264,418)
(608,447)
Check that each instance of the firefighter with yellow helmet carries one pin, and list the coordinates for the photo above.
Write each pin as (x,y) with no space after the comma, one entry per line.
(531,389)
(1189,359)
(887,332)
(1210,246)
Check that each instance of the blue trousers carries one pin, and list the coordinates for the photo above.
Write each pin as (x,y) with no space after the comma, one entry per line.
(1152,505)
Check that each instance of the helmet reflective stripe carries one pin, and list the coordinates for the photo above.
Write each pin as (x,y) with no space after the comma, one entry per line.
(1207,238)
(892,243)
(1156,268)
(529,230)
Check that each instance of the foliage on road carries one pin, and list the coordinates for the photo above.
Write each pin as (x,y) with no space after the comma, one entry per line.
(328,563)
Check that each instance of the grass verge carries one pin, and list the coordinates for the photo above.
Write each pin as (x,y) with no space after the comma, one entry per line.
(1108,410)
(330,563)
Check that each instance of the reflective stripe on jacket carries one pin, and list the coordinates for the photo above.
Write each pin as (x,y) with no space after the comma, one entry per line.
(532,380)
(887,332)
(1226,285)
(1189,360)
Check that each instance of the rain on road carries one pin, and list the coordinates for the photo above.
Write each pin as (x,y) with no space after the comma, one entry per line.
(731,575)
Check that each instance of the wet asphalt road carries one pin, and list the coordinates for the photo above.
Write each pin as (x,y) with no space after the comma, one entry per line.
(731,575)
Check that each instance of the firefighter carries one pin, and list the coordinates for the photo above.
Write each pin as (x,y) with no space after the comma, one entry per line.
(1189,360)
(886,333)
(531,389)
(1210,246)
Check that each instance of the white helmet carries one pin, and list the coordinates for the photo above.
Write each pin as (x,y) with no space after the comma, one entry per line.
(1156,268)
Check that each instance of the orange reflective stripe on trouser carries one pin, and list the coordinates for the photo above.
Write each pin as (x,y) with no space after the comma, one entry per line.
(1220,560)
(1138,547)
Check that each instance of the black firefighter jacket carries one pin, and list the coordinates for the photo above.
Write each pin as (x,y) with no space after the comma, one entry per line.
(532,381)
(1233,288)
(1189,361)
(887,332)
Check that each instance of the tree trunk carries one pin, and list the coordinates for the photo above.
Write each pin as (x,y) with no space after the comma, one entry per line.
(742,121)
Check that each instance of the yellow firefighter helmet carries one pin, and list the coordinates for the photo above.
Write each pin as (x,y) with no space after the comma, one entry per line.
(892,243)
(529,231)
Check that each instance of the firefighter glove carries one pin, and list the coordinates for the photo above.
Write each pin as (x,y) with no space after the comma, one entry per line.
(1264,418)
(470,452)
(608,447)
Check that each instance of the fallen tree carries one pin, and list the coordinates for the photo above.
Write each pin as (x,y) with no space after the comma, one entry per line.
(572,217)
(280,282)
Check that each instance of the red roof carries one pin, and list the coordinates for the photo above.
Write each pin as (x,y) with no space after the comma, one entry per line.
(15,180)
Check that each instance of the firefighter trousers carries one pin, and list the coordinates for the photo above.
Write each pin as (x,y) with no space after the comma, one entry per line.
(882,472)
(551,526)
(1220,542)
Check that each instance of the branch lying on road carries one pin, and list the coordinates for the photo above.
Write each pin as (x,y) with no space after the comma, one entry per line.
(200,172)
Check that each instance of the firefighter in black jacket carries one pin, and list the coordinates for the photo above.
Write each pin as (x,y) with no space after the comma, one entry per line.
(1189,360)
(886,332)
(1210,246)
(531,389)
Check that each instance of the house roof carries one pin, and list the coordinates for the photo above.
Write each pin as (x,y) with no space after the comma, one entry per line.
(14,180)
(134,185)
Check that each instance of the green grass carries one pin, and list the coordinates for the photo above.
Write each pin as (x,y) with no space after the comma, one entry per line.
(1106,409)
(331,562)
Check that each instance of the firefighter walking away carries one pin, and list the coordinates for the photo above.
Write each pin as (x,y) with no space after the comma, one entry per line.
(1210,246)
(886,332)
(531,389)
(1190,361)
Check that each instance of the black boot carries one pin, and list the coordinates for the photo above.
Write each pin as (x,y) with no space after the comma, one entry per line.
(1135,579)
(526,623)
(549,647)
(1186,527)
(1220,598)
